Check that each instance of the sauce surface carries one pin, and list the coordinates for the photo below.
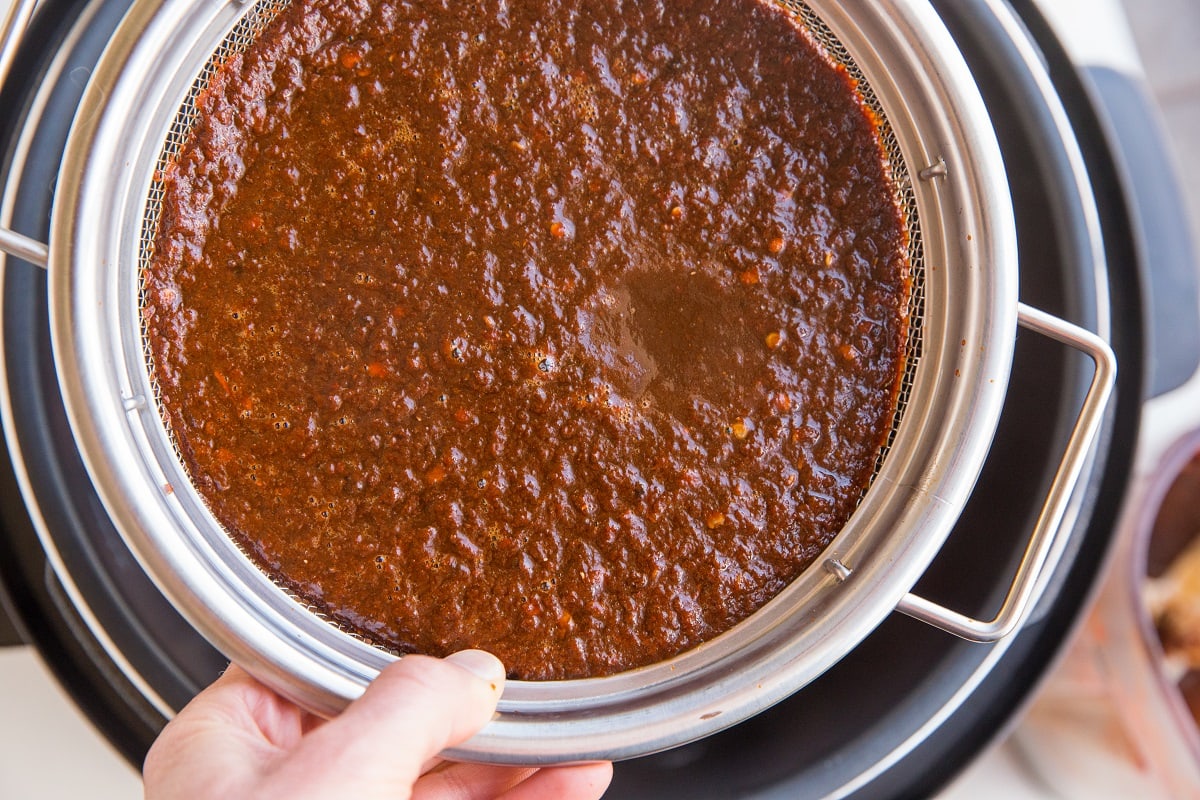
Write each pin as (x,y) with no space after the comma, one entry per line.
(568,330)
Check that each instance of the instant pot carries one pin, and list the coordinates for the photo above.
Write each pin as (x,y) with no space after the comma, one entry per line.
(1101,242)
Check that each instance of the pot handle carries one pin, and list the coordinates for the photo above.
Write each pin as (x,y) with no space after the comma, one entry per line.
(1048,526)
(13,28)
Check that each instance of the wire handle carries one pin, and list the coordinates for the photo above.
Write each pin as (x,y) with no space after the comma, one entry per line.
(23,247)
(1047,529)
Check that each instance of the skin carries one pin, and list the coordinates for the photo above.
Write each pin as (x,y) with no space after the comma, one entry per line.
(238,738)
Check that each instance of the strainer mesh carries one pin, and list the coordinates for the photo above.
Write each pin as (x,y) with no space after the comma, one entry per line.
(244,33)
(905,197)
(259,17)
(241,36)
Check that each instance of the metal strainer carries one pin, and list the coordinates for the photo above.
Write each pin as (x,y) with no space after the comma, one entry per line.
(963,314)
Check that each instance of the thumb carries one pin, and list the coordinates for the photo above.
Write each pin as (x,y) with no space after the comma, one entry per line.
(417,707)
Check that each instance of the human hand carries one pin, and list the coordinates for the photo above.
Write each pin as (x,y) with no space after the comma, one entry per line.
(238,739)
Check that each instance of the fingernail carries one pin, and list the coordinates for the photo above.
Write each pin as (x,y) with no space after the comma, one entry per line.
(479,663)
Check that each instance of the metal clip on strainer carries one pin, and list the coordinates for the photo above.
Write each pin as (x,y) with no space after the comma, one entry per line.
(948,169)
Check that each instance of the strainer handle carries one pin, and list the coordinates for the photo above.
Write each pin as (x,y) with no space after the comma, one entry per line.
(23,247)
(1047,529)
(14,24)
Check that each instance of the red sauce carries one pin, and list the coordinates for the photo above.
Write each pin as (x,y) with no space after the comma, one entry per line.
(567,330)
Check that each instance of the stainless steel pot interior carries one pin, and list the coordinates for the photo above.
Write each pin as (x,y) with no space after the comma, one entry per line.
(949,172)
